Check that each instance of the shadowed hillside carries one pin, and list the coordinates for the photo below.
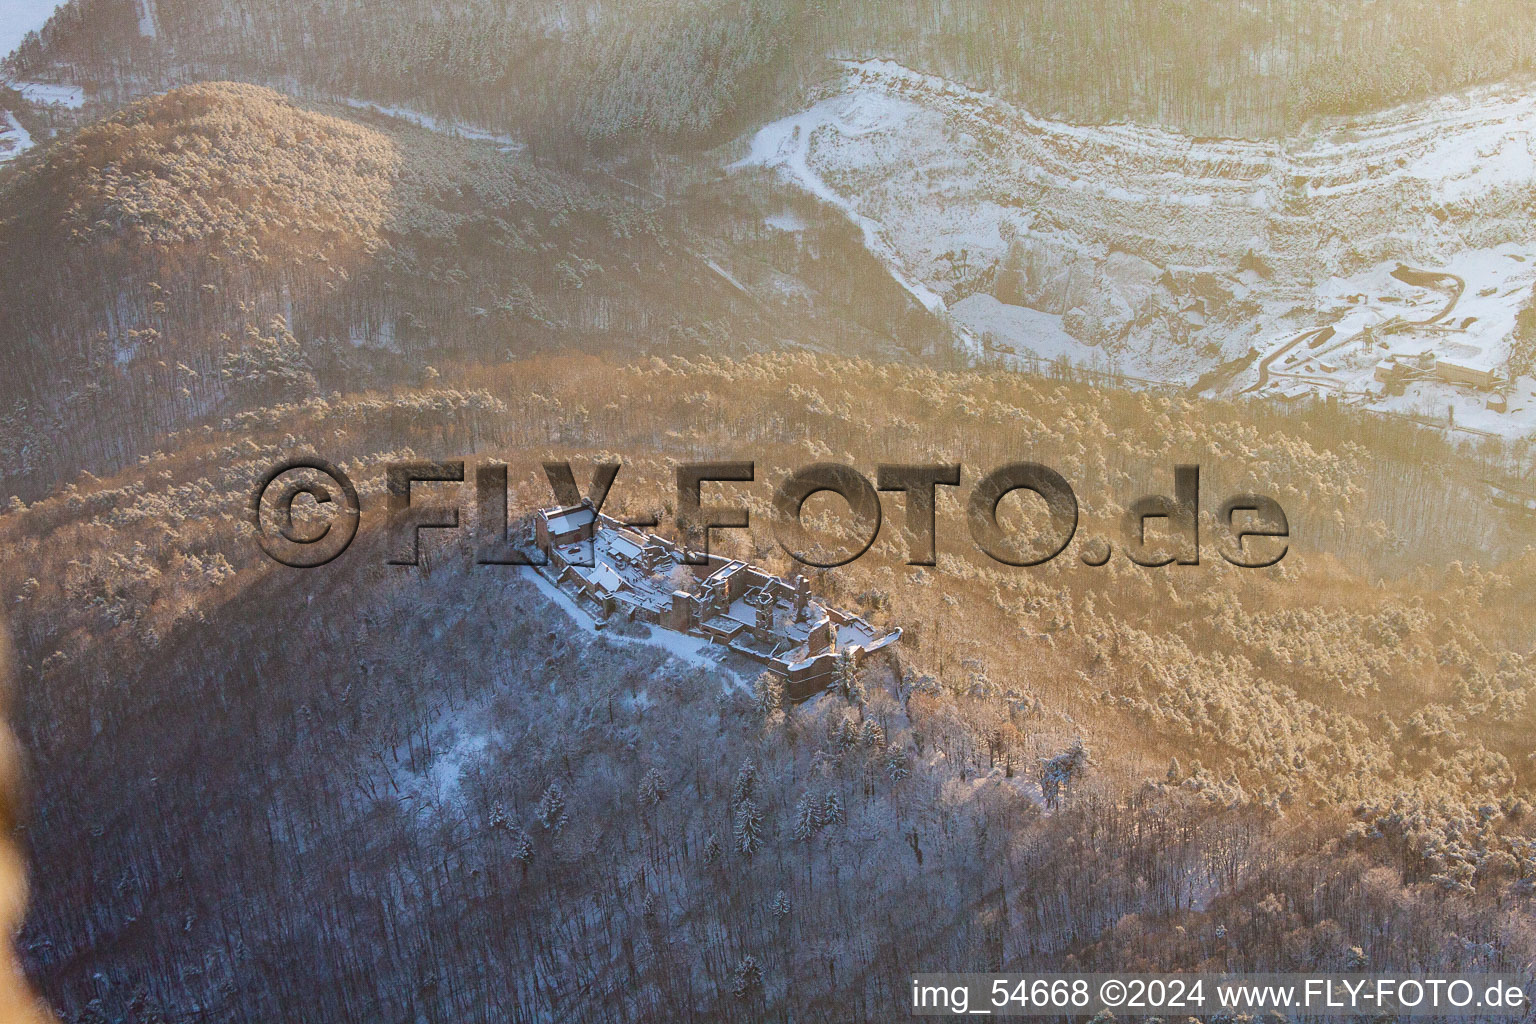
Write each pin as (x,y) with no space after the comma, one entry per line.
(1280,765)
(219,246)
(681,231)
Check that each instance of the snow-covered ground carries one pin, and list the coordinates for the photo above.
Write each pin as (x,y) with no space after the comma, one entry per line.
(1375,316)
(148,27)
(1010,330)
(691,650)
(1163,255)
(14,139)
(786,221)
(506,143)
(786,144)
(49,94)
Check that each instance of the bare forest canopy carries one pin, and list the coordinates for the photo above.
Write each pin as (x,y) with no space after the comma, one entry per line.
(1281,765)
(269,794)
(143,257)
(683,72)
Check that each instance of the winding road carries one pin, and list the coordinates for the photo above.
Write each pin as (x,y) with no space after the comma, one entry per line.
(1406,274)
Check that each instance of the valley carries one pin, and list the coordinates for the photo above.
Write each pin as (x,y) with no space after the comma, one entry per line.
(1288,241)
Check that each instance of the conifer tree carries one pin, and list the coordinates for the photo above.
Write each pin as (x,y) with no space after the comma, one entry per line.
(653,788)
(749,828)
(748,977)
(745,786)
(767,695)
(832,811)
(551,809)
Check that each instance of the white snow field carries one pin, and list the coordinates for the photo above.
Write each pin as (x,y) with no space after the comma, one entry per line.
(505,143)
(1141,250)
(49,94)
(14,139)
(17,18)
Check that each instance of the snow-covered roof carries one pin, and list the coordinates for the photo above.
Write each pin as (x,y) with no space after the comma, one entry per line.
(728,569)
(606,579)
(565,520)
(619,544)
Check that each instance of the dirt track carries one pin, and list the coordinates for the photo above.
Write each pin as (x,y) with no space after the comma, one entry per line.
(1406,274)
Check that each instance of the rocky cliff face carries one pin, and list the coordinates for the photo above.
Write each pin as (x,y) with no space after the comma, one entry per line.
(1170,252)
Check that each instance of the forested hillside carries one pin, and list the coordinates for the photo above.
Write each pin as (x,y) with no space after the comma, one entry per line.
(220,245)
(406,779)
(513,232)
(682,72)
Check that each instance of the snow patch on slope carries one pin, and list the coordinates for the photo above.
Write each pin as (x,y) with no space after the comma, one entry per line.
(1010,329)
(147,26)
(458,129)
(14,139)
(50,94)
(788,221)
(20,17)
(785,145)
